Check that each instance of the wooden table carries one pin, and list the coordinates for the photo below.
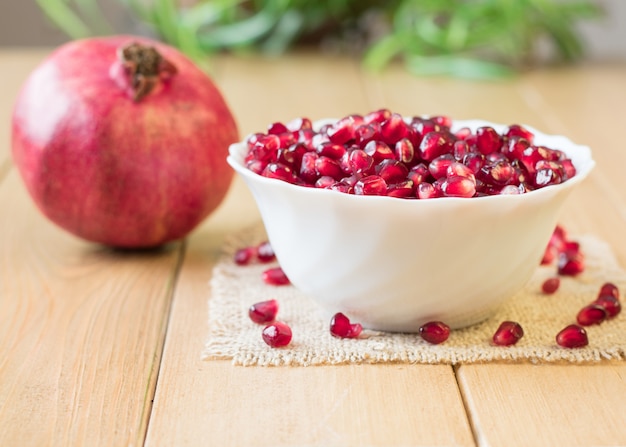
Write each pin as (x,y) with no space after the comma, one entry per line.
(99,348)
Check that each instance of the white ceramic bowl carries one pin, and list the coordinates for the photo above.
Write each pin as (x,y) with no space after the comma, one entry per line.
(393,264)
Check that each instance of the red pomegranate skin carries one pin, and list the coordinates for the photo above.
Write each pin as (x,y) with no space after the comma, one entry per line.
(124,173)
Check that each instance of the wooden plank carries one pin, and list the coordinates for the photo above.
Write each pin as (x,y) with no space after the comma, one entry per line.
(81,332)
(546,405)
(212,402)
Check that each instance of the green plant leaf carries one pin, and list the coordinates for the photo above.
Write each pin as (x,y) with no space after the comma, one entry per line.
(461,67)
(63,17)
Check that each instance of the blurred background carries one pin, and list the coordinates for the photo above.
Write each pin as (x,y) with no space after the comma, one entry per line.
(481,38)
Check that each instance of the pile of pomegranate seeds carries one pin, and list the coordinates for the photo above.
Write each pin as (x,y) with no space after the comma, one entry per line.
(434,332)
(508,333)
(383,154)
(341,327)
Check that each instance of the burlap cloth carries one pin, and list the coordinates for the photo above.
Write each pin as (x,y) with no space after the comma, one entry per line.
(233,336)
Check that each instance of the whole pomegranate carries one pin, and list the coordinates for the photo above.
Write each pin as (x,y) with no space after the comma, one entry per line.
(122,140)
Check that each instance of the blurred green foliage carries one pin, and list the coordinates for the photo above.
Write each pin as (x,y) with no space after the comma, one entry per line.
(477,39)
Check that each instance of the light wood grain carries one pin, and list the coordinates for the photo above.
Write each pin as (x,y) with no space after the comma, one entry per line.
(546,405)
(81,332)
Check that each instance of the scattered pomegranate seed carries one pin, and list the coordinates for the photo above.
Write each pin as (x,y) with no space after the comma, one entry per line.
(244,256)
(611,305)
(277,334)
(385,144)
(508,333)
(609,289)
(550,285)
(264,311)
(265,252)
(591,314)
(275,276)
(572,336)
(341,327)
(435,332)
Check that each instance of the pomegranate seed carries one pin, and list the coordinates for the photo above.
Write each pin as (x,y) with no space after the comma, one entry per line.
(530,157)
(463,133)
(328,167)
(426,190)
(265,147)
(378,150)
(325,182)
(442,120)
(264,311)
(366,133)
(424,126)
(299,124)
(343,130)
(457,186)
(474,162)
(435,144)
(508,333)
(308,172)
(279,172)
(265,252)
(434,332)
(360,162)
(243,256)
(377,116)
(404,151)
(331,150)
(372,185)
(439,166)
(402,190)
(609,289)
(511,189)
(460,149)
(570,264)
(277,334)
(418,174)
(487,140)
(341,327)
(393,129)
(292,156)
(275,276)
(460,170)
(499,173)
(591,314)
(392,171)
(515,130)
(611,305)
(572,336)
(277,129)
(550,285)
